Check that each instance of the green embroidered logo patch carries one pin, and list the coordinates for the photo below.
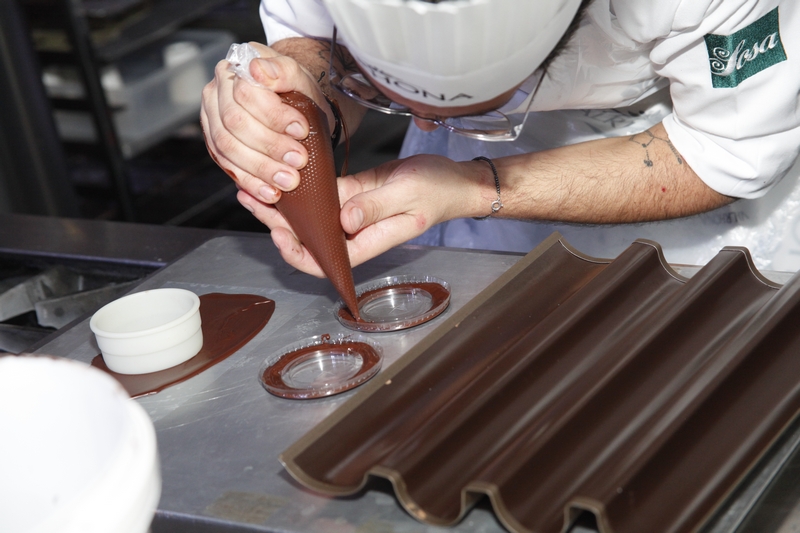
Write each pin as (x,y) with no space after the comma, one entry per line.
(736,57)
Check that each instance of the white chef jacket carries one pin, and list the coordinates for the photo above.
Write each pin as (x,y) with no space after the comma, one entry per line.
(738,128)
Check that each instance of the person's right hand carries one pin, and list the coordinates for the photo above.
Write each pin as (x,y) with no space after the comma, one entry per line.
(388,205)
(250,133)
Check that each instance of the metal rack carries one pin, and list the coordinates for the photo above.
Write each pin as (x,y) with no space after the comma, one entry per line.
(33,175)
(129,26)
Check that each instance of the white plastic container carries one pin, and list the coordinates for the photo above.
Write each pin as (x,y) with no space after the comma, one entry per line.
(158,93)
(149,331)
(185,88)
(78,455)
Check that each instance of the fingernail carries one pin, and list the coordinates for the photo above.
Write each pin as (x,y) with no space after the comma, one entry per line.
(356,218)
(268,68)
(284,180)
(294,159)
(296,130)
(247,207)
(267,193)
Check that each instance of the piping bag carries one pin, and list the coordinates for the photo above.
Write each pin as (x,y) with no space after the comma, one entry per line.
(312,209)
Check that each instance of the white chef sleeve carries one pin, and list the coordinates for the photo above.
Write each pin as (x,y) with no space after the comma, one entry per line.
(739,131)
(295,18)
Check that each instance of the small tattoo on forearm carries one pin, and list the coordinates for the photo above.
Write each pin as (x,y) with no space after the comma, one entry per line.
(646,139)
(340,57)
(343,56)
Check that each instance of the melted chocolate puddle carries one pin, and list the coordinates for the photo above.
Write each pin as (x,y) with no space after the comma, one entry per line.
(439,294)
(229,321)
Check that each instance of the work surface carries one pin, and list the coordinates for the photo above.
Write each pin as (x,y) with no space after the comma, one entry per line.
(220,433)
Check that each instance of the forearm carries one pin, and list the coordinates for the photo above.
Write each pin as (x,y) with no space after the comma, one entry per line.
(617,180)
(314,56)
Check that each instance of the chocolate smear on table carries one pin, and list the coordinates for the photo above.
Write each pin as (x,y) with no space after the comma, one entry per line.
(229,321)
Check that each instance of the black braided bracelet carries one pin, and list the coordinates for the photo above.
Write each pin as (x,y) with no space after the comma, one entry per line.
(336,134)
(497,204)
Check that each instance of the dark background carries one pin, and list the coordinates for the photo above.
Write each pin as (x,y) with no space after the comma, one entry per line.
(173,182)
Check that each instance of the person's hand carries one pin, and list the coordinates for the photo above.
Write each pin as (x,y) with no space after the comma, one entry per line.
(250,133)
(385,206)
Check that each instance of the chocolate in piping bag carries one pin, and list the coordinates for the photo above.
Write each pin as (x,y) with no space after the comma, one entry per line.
(312,209)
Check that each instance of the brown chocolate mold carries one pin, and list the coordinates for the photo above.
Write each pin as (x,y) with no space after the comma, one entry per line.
(574,384)
(228,321)
(312,209)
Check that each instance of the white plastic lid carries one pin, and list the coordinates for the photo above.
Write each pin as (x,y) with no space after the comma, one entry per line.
(321,366)
(396,302)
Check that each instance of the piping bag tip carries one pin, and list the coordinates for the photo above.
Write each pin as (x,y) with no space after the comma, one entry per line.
(312,209)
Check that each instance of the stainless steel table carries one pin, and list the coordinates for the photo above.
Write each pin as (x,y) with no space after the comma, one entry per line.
(220,433)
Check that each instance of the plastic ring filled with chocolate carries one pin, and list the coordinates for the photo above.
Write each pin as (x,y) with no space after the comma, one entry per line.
(321,366)
(396,302)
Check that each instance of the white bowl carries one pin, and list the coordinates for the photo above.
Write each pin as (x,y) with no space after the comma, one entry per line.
(78,455)
(149,331)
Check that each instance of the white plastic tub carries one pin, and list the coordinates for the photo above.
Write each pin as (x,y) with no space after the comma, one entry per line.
(149,331)
(78,455)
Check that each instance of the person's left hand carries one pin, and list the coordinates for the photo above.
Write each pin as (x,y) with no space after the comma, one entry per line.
(385,206)
(250,132)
